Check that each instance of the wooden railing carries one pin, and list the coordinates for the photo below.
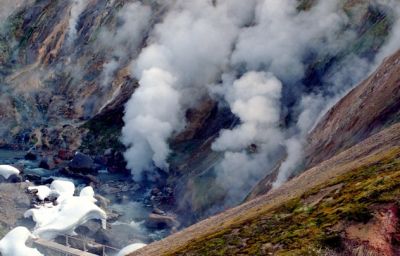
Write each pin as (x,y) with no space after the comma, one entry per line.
(68,250)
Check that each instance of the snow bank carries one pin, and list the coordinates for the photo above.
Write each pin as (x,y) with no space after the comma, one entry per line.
(43,191)
(88,192)
(64,188)
(13,244)
(7,170)
(70,212)
(130,248)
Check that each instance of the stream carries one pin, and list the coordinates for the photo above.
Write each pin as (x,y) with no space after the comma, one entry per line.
(127,207)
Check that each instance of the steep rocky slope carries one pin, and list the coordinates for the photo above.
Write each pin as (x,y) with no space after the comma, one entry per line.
(370,107)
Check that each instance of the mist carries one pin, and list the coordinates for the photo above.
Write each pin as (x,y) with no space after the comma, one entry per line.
(78,6)
(8,7)
(125,40)
(252,57)
(187,51)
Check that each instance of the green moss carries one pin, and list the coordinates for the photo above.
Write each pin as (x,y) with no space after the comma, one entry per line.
(296,228)
(102,135)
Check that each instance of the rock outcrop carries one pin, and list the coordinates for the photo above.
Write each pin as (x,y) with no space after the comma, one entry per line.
(367,109)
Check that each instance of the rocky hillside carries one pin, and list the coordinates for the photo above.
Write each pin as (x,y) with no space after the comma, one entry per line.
(345,205)
(68,68)
(369,108)
(51,84)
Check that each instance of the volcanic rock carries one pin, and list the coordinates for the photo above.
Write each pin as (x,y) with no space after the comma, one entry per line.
(160,221)
(82,163)
(31,155)
(47,163)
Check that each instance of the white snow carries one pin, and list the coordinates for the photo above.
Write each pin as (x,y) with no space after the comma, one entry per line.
(13,244)
(88,192)
(70,212)
(7,170)
(130,248)
(64,188)
(53,220)
(43,191)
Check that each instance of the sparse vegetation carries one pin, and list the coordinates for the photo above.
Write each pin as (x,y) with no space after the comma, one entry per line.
(308,227)
(103,134)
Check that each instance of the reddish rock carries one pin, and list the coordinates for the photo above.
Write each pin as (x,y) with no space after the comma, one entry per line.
(379,236)
(65,154)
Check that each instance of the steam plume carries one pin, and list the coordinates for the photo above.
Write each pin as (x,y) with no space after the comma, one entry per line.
(252,55)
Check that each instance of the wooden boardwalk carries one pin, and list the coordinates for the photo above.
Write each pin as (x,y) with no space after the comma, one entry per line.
(61,248)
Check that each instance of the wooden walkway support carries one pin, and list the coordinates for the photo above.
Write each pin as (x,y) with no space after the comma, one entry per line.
(61,248)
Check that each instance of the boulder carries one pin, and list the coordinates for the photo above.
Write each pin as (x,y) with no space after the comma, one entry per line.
(33,177)
(47,163)
(15,178)
(82,163)
(161,221)
(86,178)
(116,162)
(31,155)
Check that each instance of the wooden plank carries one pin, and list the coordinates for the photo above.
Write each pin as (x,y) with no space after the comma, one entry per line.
(61,248)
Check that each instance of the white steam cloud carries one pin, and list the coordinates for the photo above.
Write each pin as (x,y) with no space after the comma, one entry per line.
(282,36)
(251,55)
(151,117)
(10,6)
(187,51)
(255,99)
(393,43)
(274,44)
(78,6)
(125,40)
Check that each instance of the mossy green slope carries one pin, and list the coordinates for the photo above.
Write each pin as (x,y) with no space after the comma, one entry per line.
(306,225)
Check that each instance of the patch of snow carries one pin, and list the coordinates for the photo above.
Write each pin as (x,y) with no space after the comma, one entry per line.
(13,244)
(88,192)
(43,191)
(131,248)
(70,212)
(7,170)
(64,188)
(41,215)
